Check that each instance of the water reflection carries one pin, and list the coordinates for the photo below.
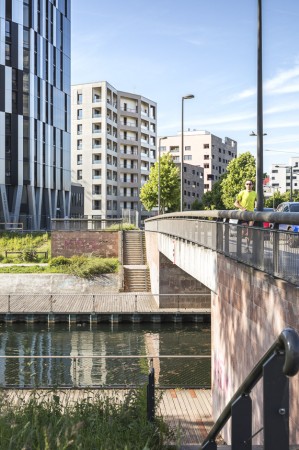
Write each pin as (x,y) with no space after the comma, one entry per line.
(102,342)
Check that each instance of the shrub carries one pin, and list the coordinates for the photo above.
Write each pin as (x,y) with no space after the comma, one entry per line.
(122,226)
(59,261)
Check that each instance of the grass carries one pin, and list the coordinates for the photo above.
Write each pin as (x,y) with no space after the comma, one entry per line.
(81,266)
(103,423)
(27,243)
(30,243)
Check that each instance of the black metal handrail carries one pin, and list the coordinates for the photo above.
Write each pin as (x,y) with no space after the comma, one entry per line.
(286,349)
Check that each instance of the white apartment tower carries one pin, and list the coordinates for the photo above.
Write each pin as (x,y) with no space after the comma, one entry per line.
(113,147)
(201,148)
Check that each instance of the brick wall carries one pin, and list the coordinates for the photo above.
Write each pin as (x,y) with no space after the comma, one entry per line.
(99,243)
(248,314)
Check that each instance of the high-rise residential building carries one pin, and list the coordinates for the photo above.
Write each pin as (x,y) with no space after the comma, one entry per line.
(201,148)
(35,162)
(113,148)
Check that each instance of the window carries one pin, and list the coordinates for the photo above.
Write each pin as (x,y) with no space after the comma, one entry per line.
(206,145)
(206,166)
(206,156)
(187,157)
(206,186)
(79,114)
(174,148)
(96,189)
(96,204)
(79,144)
(188,147)
(79,159)
(79,174)
(79,129)
(79,99)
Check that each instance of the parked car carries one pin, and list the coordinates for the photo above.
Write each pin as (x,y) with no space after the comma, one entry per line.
(288,207)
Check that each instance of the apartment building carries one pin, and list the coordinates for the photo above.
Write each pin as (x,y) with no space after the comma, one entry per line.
(113,148)
(193,188)
(35,162)
(285,177)
(201,148)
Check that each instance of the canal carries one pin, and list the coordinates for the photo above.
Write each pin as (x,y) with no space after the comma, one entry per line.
(39,355)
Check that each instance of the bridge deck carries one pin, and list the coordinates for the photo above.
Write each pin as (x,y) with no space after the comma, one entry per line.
(186,411)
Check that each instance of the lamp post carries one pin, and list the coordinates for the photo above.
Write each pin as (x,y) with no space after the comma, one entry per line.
(159,175)
(260,134)
(186,97)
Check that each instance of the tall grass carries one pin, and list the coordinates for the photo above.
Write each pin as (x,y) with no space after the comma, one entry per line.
(44,422)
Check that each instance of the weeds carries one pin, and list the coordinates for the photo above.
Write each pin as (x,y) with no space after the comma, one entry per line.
(96,422)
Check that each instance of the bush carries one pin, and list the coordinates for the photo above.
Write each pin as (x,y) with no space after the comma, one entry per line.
(59,261)
(87,267)
(122,226)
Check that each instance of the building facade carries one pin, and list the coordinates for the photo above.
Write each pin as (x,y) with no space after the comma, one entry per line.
(113,148)
(35,172)
(193,184)
(285,177)
(204,149)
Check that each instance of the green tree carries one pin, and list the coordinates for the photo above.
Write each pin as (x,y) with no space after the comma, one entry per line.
(169,186)
(196,205)
(213,199)
(238,171)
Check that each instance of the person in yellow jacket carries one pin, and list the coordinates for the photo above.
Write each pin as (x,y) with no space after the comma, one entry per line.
(246,201)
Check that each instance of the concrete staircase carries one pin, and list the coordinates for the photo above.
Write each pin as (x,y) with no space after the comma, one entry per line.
(136,272)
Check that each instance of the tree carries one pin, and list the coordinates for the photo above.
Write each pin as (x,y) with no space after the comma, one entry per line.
(196,205)
(238,171)
(213,199)
(169,186)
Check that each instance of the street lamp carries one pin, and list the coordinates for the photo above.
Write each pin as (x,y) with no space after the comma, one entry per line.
(254,134)
(291,169)
(186,97)
(159,175)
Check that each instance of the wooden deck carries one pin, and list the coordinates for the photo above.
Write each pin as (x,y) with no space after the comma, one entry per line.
(186,411)
(116,303)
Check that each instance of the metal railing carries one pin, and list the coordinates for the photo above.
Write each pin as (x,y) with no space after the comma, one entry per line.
(272,251)
(104,371)
(279,362)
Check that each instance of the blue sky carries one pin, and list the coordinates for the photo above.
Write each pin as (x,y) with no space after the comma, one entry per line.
(164,49)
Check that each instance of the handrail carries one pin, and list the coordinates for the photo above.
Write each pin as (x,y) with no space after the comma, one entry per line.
(288,342)
(256,216)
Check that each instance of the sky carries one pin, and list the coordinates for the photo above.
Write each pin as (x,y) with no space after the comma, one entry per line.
(166,49)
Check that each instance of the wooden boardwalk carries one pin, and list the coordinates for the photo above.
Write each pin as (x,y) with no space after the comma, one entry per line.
(186,411)
(116,303)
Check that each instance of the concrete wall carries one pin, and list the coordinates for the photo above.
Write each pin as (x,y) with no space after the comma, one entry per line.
(57,284)
(176,287)
(98,243)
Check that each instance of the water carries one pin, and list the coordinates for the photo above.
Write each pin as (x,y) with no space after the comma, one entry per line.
(103,352)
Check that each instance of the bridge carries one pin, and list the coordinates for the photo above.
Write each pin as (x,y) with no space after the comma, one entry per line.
(253,291)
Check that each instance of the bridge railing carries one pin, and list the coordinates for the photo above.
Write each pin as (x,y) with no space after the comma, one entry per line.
(279,363)
(272,251)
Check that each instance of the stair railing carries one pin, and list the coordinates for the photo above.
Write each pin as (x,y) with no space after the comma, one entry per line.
(279,362)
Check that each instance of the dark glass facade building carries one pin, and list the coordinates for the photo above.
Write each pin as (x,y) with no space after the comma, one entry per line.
(35,172)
